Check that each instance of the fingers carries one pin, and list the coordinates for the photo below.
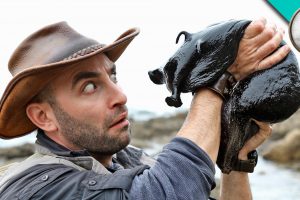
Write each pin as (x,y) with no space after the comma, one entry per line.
(255,28)
(264,132)
(270,45)
(258,49)
(267,34)
(274,58)
(264,127)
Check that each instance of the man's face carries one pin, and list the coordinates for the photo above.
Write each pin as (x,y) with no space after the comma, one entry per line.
(90,108)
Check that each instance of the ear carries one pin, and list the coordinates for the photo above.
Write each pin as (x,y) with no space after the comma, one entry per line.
(41,114)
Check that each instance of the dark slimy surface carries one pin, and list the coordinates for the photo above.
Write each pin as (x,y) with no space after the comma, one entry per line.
(270,95)
(201,59)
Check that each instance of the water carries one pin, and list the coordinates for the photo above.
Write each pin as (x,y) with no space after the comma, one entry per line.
(271,181)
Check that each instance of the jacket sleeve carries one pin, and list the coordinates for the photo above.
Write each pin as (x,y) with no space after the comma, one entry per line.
(182,171)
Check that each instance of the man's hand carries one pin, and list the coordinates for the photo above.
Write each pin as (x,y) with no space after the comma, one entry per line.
(256,49)
(264,132)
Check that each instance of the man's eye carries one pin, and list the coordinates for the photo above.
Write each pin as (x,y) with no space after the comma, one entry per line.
(89,88)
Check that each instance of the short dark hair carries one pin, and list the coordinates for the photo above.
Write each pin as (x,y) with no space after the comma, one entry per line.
(45,95)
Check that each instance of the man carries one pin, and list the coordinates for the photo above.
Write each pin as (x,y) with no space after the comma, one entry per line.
(65,86)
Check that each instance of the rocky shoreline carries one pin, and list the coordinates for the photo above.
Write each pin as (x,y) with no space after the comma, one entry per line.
(283,147)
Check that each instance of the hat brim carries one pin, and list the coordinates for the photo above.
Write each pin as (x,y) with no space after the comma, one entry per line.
(28,83)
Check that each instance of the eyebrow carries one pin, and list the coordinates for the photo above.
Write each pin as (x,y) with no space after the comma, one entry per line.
(84,75)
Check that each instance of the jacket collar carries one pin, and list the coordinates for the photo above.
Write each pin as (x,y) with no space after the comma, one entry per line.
(46,146)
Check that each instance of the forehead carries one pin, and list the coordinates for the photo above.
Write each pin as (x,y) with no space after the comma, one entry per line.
(98,64)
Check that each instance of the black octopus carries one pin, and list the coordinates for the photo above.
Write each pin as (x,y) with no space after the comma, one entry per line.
(270,95)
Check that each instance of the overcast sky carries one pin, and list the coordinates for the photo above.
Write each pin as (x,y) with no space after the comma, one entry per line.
(159,20)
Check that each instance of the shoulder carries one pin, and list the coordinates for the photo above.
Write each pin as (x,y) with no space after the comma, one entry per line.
(32,180)
(57,181)
(132,156)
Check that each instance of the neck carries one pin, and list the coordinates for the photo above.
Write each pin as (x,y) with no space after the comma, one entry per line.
(58,138)
(105,160)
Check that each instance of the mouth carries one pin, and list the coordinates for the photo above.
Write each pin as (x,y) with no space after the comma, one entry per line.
(120,121)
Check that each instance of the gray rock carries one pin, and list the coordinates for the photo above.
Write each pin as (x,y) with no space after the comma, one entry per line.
(281,129)
(286,150)
(17,151)
(157,128)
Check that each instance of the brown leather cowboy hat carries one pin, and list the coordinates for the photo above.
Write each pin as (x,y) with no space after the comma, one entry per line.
(40,57)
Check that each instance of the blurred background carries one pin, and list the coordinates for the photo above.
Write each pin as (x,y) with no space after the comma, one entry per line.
(153,122)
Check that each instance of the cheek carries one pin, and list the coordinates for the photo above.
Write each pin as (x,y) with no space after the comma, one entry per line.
(90,111)
(95,114)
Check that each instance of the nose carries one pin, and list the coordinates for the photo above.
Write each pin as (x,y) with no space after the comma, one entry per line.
(117,96)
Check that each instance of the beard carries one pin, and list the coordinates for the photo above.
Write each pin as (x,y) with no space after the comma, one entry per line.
(94,139)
